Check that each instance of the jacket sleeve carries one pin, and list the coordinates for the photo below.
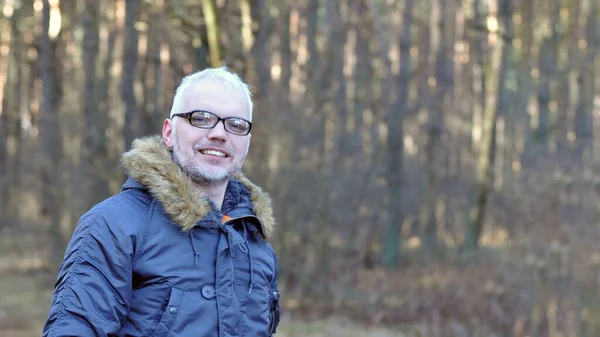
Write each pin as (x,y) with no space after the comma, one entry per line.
(93,290)
(274,315)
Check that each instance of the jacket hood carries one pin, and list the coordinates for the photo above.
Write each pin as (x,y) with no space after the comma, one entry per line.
(149,162)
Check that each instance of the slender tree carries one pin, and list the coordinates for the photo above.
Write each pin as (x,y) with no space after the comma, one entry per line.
(130,64)
(51,142)
(397,106)
(495,90)
(94,153)
(212,29)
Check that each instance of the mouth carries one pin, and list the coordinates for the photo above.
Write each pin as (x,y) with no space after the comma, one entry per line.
(212,152)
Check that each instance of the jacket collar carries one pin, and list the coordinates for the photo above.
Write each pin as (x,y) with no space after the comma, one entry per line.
(149,163)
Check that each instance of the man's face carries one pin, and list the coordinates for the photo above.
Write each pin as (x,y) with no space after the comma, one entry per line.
(208,156)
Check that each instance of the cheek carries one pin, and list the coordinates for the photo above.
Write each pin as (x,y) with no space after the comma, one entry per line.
(183,147)
(185,139)
(241,148)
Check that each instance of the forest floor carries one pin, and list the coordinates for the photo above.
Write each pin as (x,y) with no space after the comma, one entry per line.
(536,286)
(24,307)
(25,298)
(26,288)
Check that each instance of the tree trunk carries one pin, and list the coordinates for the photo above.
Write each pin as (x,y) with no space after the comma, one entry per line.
(331,78)
(105,79)
(495,84)
(548,60)
(260,51)
(441,42)
(15,171)
(8,125)
(584,122)
(478,78)
(130,61)
(312,98)
(212,30)
(284,47)
(51,179)
(394,118)
(94,152)
(526,91)
(152,75)
(10,122)
(567,88)
(395,121)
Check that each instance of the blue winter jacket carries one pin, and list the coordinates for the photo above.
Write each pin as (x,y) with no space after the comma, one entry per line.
(158,260)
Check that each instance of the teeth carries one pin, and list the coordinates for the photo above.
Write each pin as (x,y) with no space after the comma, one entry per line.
(214,153)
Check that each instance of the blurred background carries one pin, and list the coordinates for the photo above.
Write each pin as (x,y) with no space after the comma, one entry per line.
(433,164)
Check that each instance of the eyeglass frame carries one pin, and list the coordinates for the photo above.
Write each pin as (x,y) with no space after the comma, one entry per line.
(188,116)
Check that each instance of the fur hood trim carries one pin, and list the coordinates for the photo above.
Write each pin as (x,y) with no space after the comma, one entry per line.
(149,162)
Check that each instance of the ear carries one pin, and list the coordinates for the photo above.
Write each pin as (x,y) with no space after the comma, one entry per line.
(167,133)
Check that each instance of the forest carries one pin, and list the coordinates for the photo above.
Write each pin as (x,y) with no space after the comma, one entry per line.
(434,165)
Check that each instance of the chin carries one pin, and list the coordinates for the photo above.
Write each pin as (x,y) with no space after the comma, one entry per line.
(210,173)
(212,169)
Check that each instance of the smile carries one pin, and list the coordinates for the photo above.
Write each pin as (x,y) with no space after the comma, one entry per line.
(213,153)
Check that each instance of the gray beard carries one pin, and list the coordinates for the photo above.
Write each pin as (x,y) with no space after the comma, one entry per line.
(202,178)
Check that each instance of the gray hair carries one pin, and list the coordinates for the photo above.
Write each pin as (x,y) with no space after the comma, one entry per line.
(222,74)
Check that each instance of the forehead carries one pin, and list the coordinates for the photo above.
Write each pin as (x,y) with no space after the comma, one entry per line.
(214,96)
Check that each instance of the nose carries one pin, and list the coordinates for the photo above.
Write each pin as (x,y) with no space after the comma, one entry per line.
(218,132)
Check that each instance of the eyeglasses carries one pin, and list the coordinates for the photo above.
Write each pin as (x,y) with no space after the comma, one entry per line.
(208,120)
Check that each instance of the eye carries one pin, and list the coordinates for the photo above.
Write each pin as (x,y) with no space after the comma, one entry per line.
(237,125)
(202,118)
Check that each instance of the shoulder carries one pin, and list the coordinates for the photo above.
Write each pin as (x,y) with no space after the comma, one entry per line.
(123,214)
(128,205)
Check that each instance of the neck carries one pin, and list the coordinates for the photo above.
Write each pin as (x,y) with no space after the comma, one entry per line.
(216,193)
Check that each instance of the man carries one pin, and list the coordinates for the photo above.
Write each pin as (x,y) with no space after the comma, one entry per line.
(182,250)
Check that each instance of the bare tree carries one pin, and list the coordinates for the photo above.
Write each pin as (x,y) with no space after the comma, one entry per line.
(130,62)
(441,61)
(260,50)
(94,152)
(10,122)
(51,180)
(585,81)
(212,29)
(397,99)
(548,65)
(283,26)
(494,92)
